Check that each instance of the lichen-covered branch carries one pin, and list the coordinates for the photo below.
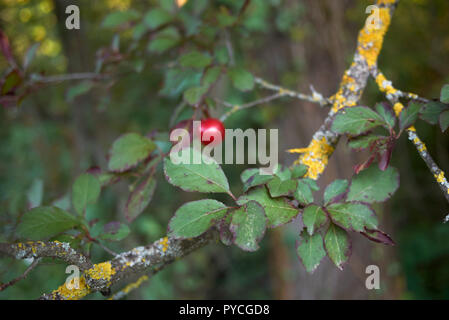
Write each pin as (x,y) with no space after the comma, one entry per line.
(352,85)
(140,260)
(39,249)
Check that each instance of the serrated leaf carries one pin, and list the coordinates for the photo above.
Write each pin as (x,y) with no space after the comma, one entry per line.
(140,198)
(115,231)
(177,81)
(373,185)
(193,95)
(156,17)
(211,75)
(356,120)
(241,79)
(378,236)
(335,189)
(248,225)
(337,245)
(298,171)
(117,18)
(311,183)
(353,216)
(303,193)
(314,218)
(85,191)
(444,97)
(278,210)
(195,59)
(128,151)
(364,141)
(387,114)
(279,188)
(431,111)
(164,40)
(310,251)
(444,120)
(204,177)
(409,115)
(43,222)
(252,178)
(196,217)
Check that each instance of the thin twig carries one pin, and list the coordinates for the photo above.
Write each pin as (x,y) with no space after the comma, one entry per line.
(23,276)
(236,108)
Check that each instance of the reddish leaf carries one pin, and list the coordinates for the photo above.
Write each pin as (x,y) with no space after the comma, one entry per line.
(378,236)
(6,49)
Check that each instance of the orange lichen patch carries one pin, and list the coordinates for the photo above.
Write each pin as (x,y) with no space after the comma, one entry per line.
(339,99)
(315,156)
(101,271)
(164,243)
(72,294)
(371,39)
(181,3)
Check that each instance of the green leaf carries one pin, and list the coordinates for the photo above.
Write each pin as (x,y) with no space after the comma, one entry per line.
(279,188)
(356,120)
(225,19)
(43,222)
(85,190)
(310,251)
(156,17)
(364,141)
(444,120)
(193,95)
(12,80)
(248,225)
(277,210)
(241,79)
(387,114)
(128,150)
(78,90)
(298,171)
(311,183)
(115,231)
(117,18)
(374,185)
(409,115)
(204,177)
(164,40)
(211,75)
(195,59)
(335,189)
(140,198)
(353,216)
(338,245)
(303,193)
(431,111)
(196,217)
(177,81)
(314,218)
(444,97)
(252,178)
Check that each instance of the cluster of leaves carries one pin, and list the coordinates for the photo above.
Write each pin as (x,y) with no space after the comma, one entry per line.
(362,125)
(131,156)
(269,201)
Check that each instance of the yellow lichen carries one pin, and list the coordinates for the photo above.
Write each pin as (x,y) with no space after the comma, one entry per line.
(371,39)
(315,156)
(440,177)
(74,293)
(101,271)
(164,243)
(398,108)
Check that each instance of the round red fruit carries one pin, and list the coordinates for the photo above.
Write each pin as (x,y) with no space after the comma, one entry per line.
(209,131)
